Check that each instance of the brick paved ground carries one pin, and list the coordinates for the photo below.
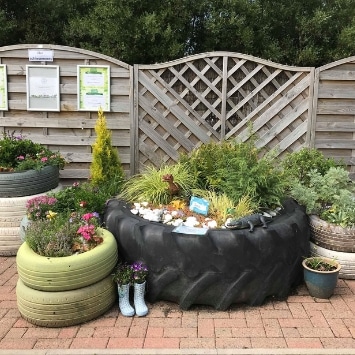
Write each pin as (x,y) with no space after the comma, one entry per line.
(298,322)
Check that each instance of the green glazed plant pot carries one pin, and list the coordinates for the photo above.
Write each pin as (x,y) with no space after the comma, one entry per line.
(321,284)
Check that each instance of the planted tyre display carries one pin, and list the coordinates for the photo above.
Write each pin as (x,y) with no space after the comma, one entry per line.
(69,272)
(346,260)
(331,236)
(28,182)
(60,309)
(219,268)
(12,211)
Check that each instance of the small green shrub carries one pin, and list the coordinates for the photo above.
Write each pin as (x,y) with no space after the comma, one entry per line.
(298,165)
(106,164)
(237,169)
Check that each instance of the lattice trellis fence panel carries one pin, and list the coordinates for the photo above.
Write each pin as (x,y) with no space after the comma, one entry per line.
(215,96)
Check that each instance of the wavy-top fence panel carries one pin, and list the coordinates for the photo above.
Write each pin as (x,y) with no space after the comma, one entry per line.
(69,130)
(220,95)
(333,121)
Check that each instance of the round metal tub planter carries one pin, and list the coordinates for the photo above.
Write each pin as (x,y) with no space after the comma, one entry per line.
(219,268)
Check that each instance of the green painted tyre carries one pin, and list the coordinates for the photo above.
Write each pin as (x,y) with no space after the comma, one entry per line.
(66,308)
(70,272)
(29,182)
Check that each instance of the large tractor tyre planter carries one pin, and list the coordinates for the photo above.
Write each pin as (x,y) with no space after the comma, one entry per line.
(29,182)
(346,260)
(219,268)
(67,308)
(69,272)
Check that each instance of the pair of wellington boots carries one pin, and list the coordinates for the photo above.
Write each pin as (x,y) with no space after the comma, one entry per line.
(140,308)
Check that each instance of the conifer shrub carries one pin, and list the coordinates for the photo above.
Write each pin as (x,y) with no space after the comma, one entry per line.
(106,168)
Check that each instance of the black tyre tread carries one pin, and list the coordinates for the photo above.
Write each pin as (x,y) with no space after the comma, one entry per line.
(219,268)
(67,273)
(28,182)
(60,309)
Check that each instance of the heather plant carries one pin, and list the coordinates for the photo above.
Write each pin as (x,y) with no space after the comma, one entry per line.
(38,207)
(64,234)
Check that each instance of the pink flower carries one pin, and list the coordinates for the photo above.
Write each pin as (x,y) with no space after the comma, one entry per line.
(20,157)
(44,159)
(87,231)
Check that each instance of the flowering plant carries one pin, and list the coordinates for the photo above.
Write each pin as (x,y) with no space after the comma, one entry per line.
(123,274)
(18,153)
(139,272)
(64,233)
(38,207)
(126,274)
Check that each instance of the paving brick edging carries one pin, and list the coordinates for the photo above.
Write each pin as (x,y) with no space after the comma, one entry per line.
(181,352)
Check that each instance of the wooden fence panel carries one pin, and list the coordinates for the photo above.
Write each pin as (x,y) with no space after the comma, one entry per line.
(70,131)
(333,120)
(217,96)
(159,111)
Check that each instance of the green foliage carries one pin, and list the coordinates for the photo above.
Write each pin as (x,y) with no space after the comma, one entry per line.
(51,237)
(222,207)
(236,169)
(150,187)
(298,165)
(106,165)
(83,197)
(63,234)
(296,32)
(331,196)
(18,153)
(320,264)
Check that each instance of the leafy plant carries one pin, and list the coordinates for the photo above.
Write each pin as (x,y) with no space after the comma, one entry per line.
(149,186)
(123,274)
(320,264)
(18,153)
(221,206)
(237,169)
(298,165)
(331,196)
(82,197)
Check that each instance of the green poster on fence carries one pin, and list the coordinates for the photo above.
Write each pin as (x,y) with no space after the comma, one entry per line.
(93,88)
(3,88)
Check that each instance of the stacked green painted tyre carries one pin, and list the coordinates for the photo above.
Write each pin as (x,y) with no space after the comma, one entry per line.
(65,291)
(69,272)
(66,308)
